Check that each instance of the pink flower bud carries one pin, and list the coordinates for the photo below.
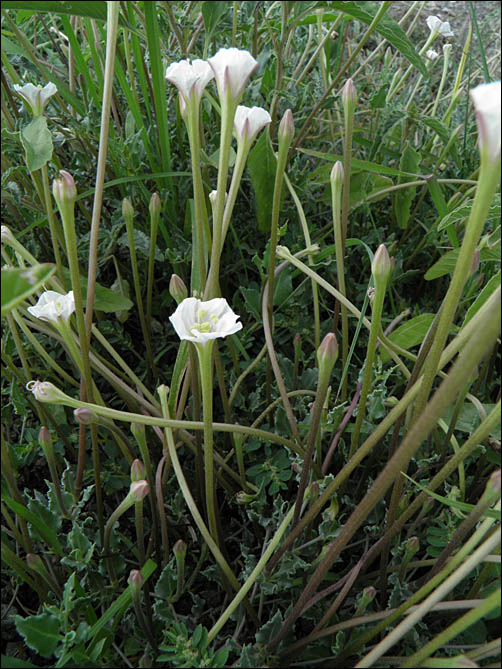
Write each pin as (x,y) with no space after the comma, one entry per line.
(45,391)
(139,490)
(180,549)
(44,436)
(177,288)
(35,562)
(64,190)
(138,471)
(327,355)
(155,205)
(381,267)
(286,128)
(349,96)
(85,416)
(136,579)
(337,174)
(127,209)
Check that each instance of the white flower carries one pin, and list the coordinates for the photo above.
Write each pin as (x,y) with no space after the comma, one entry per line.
(232,69)
(431,54)
(190,78)
(438,27)
(53,306)
(201,322)
(36,97)
(248,122)
(486,100)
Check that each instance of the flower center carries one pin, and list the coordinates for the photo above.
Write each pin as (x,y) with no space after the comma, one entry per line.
(203,325)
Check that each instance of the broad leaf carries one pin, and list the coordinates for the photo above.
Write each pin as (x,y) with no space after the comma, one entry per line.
(40,632)
(18,284)
(37,142)
(409,334)
(492,285)
(262,167)
(447,262)
(403,198)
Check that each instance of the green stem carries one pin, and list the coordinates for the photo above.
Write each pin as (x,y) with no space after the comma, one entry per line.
(227,120)
(488,180)
(378,300)
(204,353)
(154,228)
(55,232)
(340,233)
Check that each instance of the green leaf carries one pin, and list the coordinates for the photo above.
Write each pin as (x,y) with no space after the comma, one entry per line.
(37,142)
(356,165)
(388,28)
(437,196)
(105,299)
(403,198)
(15,663)
(461,506)
(492,285)
(409,334)
(92,10)
(18,284)
(447,262)
(40,632)
(44,531)
(463,211)
(212,13)
(262,167)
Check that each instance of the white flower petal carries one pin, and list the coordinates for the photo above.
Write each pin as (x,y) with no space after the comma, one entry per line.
(200,322)
(232,68)
(486,101)
(438,27)
(248,122)
(53,307)
(35,96)
(190,78)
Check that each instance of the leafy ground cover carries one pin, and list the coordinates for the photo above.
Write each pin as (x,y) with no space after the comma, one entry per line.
(251,320)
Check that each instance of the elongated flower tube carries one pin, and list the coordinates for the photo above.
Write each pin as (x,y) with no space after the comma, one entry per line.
(190,78)
(54,307)
(486,101)
(45,391)
(438,27)
(232,69)
(36,97)
(201,322)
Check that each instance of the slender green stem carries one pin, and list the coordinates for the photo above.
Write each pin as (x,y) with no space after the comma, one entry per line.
(228,108)
(204,353)
(154,228)
(488,180)
(378,300)
(137,289)
(55,232)
(336,188)
(252,577)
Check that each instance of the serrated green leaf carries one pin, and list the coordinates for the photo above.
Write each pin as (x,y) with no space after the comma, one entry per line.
(462,212)
(18,284)
(44,531)
(37,142)
(262,165)
(40,632)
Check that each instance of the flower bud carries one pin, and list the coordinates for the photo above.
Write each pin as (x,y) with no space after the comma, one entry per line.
(44,437)
(155,205)
(127,209)
(367,596)
(381,267)
(7,236)
(337,174)
(136,580)
(486,101)
(138,471)
(475,262)
(327,355)
(349,97)
(64,191)
(138,490)
(35,562)
(145,661)
(494,482)
(286,129)
(180,549)
(85,416)
(430,54)
(412,547)
(45,391)
(177,288)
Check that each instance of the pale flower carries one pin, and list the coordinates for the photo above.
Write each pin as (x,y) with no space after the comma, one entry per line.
(232,69)
(248,122)
(438,27)
(431,54)
(36,97)
(201,322)
(54,307)
(45,391)
(486,101)
(190,78)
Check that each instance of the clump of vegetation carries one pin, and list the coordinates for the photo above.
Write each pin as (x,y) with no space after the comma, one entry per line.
(251,310)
